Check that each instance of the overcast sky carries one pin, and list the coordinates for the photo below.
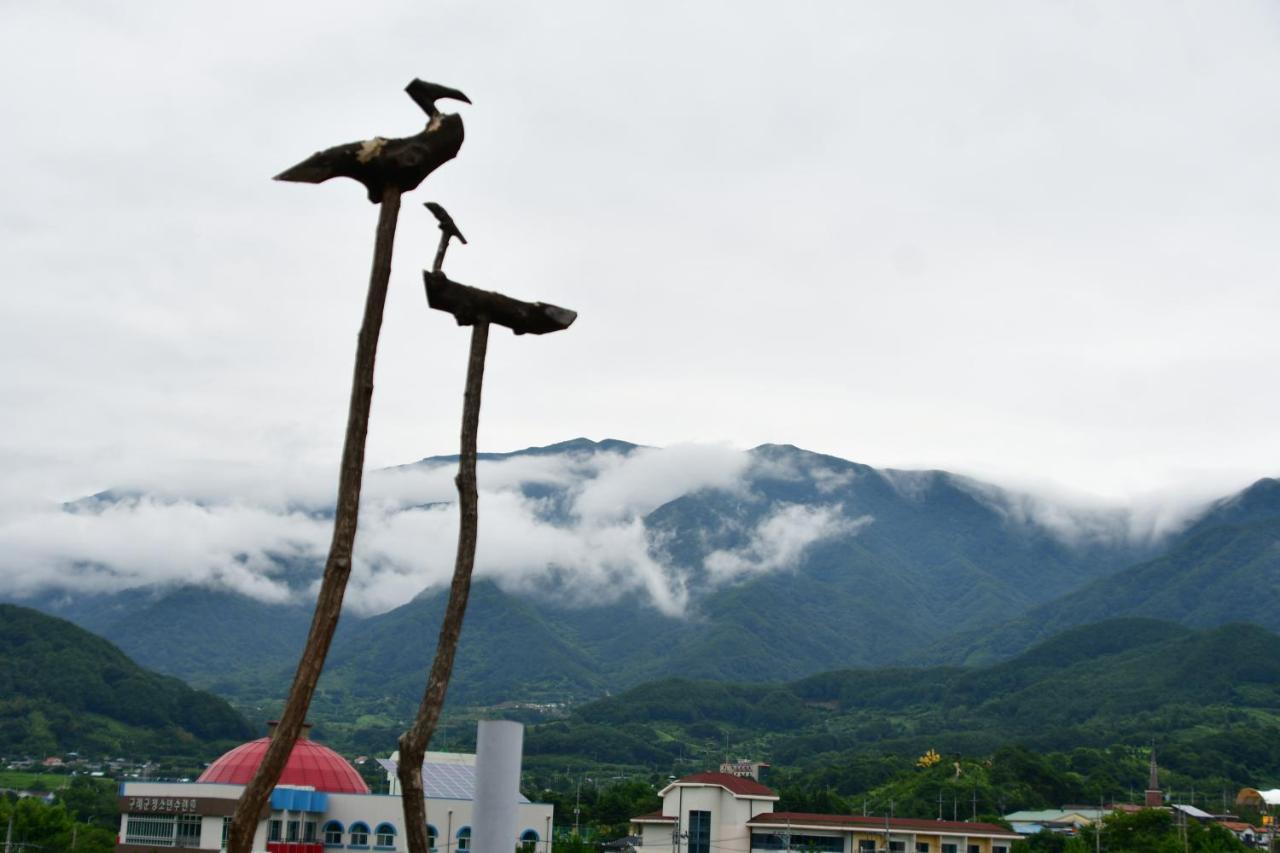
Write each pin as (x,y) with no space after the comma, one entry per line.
(1035,241)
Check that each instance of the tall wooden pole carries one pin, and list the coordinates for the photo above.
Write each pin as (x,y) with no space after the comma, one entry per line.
(337,567)
(413,743)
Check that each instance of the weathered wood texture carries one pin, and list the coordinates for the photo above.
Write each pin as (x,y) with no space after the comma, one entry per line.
(448,230)
(469,305)
(381,164)
(413,743)
(337,567)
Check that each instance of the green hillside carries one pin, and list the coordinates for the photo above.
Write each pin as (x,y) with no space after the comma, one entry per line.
(1220,572)
(1211,696)
(64,689)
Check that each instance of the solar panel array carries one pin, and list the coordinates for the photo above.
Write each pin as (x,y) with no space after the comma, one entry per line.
(451,781)
(446,781)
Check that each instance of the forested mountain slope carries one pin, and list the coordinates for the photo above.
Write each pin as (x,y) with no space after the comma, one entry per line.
(1225,568)
(64,689)
(1215,691)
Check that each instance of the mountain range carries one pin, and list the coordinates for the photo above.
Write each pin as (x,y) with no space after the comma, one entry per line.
(792,564)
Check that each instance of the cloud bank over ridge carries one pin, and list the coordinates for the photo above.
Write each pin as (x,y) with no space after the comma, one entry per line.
(571,524)
(573,519)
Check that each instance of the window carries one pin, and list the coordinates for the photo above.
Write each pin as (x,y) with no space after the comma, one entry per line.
(163,830)
(464,839)
(897,847)
(699,832)
(948,848)
(974,848)
(294,827)
(275,831)
(188,826)
(309,832)
(385,836)
(333,834)
(999,848)
(359,834)
(226,830)
(432,835)
(865,846)
(922,847)
(154,830)
(798,843)
(529,841)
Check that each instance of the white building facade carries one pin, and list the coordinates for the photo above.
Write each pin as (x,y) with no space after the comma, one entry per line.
(322,806)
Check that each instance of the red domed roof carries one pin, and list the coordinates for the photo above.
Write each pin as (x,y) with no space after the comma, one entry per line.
(309,764)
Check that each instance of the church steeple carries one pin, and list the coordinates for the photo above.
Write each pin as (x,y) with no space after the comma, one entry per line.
(1154,797)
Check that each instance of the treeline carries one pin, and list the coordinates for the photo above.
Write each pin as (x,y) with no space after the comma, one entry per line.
(82,818)
(1011,778)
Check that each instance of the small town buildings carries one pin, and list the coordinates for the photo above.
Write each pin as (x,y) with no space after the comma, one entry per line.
(713,812)
(1246,832)
(1064,820)
(321,805)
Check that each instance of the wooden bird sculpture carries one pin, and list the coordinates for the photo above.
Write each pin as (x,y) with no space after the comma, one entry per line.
(381,163)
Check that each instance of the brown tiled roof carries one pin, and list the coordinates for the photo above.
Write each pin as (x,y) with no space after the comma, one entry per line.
(951,827)
(739,785)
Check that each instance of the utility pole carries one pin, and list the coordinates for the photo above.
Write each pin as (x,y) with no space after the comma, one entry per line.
(8,836)
(974,813)
(1097,828)
(939,804)
(577,806)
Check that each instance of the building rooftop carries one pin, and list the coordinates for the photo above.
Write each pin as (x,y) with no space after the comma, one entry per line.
(310,765)
(739,786)
(870,823)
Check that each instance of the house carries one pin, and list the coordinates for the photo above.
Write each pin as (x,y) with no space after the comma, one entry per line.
(712,812)
(1066,820)
(1246,832)
(321,805)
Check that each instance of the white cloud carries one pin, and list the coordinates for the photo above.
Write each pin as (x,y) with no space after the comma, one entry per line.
(597,548)
(648,478)
(1080,519)
(580,536)
(780,539)
(138,542)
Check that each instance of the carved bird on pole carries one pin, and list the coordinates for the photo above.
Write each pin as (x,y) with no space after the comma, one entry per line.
(380,163)
(388,168)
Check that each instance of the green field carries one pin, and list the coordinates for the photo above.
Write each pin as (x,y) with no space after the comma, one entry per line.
(24,780)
